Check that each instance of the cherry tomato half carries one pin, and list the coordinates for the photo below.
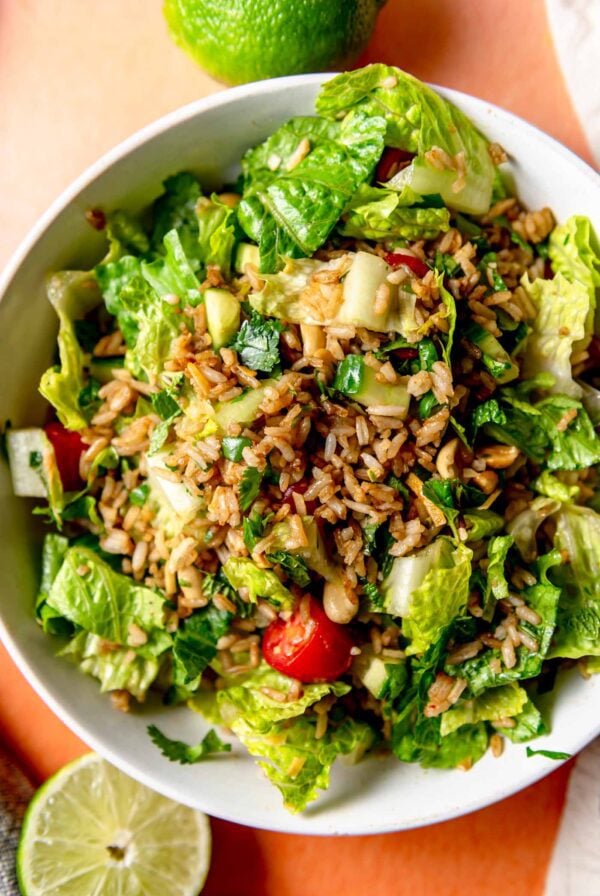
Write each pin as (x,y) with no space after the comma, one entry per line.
(68,448)
(299,488)
(391,162)
(418,267)
(315,649)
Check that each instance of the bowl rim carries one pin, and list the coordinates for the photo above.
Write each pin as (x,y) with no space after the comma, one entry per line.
(18,654)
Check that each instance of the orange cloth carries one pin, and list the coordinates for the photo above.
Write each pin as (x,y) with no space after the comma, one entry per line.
(76,78)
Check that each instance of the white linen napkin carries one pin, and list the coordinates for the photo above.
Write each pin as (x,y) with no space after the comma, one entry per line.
(575,26)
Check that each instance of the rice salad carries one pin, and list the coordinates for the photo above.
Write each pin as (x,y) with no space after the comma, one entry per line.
(321,462)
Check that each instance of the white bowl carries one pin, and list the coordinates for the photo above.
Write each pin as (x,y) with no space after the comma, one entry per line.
(209,137)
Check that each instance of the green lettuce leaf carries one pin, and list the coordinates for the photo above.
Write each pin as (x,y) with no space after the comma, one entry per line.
(241,572)
(482,523)
(305,200)
(53,553)
(377,214)
(297,762)
(574,252)
(439,598)
(116,668)
(562,310)
(72,294)
(103,602)
(175,209)
(529,724)
(148,324)
(533,428)
(496,584)
(418,120)
(424,744)
(216,232)
(497,703)
(245,699)
(487,670)
(195,644)
(578,624)
(523,528)
(172,274)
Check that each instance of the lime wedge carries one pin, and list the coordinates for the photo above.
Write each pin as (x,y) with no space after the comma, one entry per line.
(93,831)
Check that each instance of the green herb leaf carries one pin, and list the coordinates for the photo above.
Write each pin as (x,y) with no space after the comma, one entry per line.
(233,446)
(257,343)
(254,528)
(178,751)
(294,566)
(165,405)
(195,644)
(249,487)
(549,754)
(488,412)
(349,375)
(139,495)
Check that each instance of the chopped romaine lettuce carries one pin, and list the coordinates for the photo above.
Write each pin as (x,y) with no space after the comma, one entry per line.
(72,294)
(378,214)
(216,233)
(487,670)
(562,310)
(195,644)
(419,121)
(244,573)
(428,589)
(246,698)
(102,602)
(302,177)
(116,667)
(574,252)
(528,725)
(496,585)
(578,624)
(297,762)
(497,703)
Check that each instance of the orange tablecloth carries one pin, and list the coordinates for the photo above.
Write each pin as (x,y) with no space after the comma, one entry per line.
(76,77)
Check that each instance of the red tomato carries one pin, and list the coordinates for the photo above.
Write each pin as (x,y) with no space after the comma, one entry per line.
(313,650)
(68,448)
(391,162)
(299,488)
(418,267)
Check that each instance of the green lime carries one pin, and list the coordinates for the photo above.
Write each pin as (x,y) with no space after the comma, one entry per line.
(247,40)
(92,830)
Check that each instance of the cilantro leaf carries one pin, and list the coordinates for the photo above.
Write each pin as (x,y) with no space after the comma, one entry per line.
(253,528)
(294,566)
(233,446)
(249,487)
(549,754)
(186,754)
(257,343)
(165,405)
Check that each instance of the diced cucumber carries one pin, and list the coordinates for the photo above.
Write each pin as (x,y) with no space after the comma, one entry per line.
(242,410)
(222,316)
(362,281)
(495,358)
(381,676)
(246,253)
(359,382)
(173,498)
(372,392)
(29,453)
(102,368)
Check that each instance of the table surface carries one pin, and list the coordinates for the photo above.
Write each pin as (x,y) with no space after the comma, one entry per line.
(75,78)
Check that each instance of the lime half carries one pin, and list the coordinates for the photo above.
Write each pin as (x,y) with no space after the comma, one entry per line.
(93,831)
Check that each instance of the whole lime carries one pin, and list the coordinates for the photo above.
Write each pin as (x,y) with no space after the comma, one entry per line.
(247,40)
